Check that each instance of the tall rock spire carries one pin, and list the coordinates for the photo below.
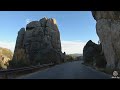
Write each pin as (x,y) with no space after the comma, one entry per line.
(40,43)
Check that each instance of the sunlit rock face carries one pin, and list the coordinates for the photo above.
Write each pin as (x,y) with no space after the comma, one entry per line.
(39,43)
(108,30)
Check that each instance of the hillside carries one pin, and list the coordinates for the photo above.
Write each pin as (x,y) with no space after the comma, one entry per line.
(75,55)
(6,52)
(5,56)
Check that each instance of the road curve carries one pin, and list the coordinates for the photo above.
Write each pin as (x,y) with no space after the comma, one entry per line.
(70,70)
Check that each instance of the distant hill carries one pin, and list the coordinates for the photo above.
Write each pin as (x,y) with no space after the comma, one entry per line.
(75,55)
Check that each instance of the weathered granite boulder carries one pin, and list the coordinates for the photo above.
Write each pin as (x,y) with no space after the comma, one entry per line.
(40,43)
(93,55)
(108,30)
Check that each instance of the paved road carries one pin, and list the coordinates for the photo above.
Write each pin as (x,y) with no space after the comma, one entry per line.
(70,70)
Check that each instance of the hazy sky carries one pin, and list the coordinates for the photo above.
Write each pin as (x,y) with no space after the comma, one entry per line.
(76,27)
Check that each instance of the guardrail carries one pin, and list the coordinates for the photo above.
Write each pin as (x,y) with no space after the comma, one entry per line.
(6,73)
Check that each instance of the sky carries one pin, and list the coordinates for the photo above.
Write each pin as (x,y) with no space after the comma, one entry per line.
(76,27)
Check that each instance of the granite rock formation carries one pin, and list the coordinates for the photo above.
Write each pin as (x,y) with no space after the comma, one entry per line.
(108,30)
(93,55)
(39,43)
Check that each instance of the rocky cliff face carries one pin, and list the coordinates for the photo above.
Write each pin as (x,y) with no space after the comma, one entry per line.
(39,43)
(108,30)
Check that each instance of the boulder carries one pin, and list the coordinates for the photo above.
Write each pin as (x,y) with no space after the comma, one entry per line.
(92,54)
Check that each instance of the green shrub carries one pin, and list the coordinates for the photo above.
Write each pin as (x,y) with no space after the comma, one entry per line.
(69,58)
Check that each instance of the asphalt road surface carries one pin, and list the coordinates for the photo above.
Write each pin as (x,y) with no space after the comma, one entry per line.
(70,70)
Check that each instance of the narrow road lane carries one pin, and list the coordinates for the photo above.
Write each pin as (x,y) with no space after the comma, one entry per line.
(70,70)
